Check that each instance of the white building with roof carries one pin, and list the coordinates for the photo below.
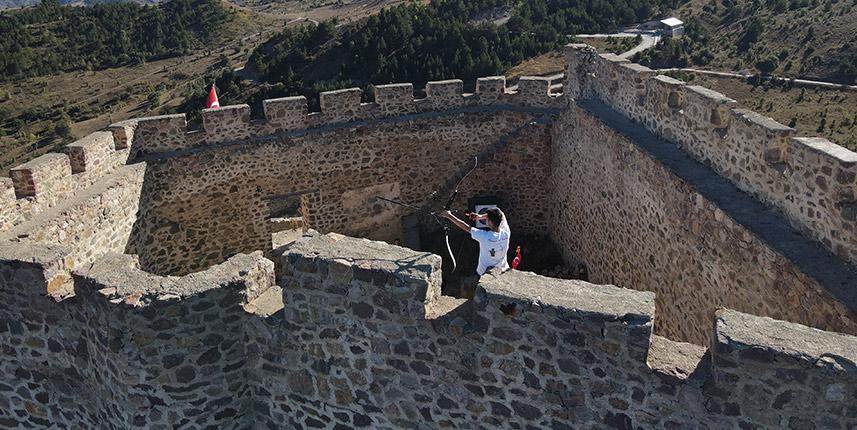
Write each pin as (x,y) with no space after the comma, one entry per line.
(671,27)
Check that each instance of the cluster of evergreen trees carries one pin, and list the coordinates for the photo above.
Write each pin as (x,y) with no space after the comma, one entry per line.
(444,39)
(51,38)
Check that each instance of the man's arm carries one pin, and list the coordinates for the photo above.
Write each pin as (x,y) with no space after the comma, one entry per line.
(504,226)
(457,222)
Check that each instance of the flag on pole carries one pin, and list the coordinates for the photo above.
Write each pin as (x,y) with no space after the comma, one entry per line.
(517,260)
(212,101)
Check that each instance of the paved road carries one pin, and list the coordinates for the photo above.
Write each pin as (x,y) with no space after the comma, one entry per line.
(648,42)
(650,39)
(302,18)
(804,82)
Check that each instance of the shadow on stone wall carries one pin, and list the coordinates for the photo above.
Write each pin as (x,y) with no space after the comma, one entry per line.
(362,338)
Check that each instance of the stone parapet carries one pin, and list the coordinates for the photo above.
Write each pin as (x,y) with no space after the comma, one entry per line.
(779,374)
(119,279)
(91,153)
(395,99)
(227,123)
(96,220)
(50,179)
(160,133)
(341,105)
(523,350)
(374,270)
(288,113)
(232,124)
(123,133)
(141,350)
(579,299)
(756,153)
(49,173)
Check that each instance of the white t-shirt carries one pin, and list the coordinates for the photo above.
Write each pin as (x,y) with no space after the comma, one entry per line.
(493,247)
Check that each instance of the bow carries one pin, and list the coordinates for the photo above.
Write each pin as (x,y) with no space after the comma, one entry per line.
(448,205)
(449,201)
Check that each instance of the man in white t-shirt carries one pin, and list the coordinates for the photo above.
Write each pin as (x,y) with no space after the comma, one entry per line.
(493,243)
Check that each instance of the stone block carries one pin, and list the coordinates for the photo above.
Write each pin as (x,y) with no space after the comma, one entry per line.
(570,297)
(491,86)
(340,105)
(579,59)
(707,108)
(534,87)
(400,273)
(287,113)
(90,153)
(226,123)
(665,92)
(761,123)
(838,155)
(445,94)
(637,69)
(395,98)
(160,134)
(7,203)
(610,65)
(39,176)
(755,341)
(123,133)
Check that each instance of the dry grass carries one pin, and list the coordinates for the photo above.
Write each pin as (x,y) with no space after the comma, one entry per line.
(319,10)
(800,108)
(546,64)
(811,41)
(96,99)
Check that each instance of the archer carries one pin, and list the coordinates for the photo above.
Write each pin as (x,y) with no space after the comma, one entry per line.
(493,243)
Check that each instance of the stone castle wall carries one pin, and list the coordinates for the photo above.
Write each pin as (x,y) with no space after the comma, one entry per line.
(811,180)
(129,349)
(207,200)
(169,135)
(646,228)
(365,341)
(84,200)
(355,333)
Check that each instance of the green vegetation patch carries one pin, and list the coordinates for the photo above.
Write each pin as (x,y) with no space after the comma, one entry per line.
(50,38)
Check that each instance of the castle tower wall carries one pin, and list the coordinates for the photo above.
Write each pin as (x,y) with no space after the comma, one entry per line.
(129,349)
(640,223)
(364,339)
(199,208)
(658,224)
(357,333)
(372,345)
(759,155)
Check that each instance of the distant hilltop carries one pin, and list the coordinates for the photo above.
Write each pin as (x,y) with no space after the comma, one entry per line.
(12,4)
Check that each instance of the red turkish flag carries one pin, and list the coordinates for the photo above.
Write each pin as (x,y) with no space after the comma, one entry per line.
(517,260)
(212,101)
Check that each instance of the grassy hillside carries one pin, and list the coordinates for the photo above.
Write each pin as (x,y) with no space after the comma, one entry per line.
(52,38)
(821,112)
(814,39)
(11,4)
(43,113)
(445,39)
(418,42)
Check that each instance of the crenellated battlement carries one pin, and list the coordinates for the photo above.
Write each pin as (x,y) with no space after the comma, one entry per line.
(811,180)
(46,181)
(139,269)
(167,133)
(369,314)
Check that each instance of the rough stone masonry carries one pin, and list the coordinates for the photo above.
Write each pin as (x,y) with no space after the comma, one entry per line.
(140,287)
